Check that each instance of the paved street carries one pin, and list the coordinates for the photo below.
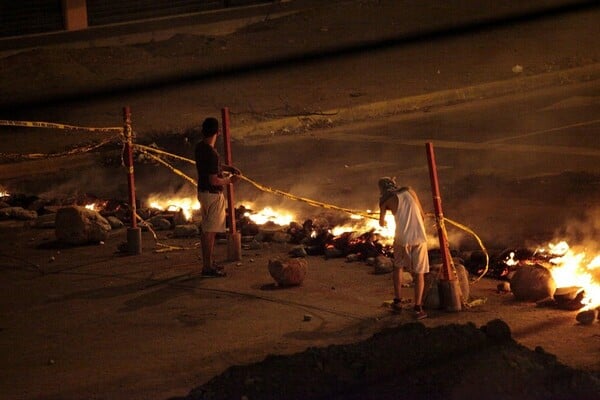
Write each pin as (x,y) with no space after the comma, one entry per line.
(517,152)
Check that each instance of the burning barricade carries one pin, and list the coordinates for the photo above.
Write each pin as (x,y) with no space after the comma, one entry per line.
(551,276)
(555,275)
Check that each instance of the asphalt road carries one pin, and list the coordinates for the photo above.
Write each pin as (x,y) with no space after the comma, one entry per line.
(514,168)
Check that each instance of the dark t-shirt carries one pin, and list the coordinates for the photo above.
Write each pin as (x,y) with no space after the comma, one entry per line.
(207,163)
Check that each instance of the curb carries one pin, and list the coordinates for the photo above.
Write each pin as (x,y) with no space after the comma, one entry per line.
(402,105)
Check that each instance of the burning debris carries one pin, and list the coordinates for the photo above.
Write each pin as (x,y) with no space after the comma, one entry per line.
(555,275)
(552,276)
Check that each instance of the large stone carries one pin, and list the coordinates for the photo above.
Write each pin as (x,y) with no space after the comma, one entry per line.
(78,225)
(159,223)
(115,223)
(431,295)
(532,283)
(289,272)
(46,221)
(383,265)
(187,230)
(17,213)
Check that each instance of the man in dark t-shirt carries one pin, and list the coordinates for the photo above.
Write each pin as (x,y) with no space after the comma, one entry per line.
(211,181)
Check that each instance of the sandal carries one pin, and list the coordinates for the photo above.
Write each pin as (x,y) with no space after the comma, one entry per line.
(213,273)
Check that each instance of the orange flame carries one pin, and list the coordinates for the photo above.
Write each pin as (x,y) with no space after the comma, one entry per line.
(187,205)
(268,214)
(571,268)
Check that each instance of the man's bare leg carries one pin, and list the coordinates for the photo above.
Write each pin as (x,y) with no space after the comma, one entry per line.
(207,240)
(397,279)
(419,286)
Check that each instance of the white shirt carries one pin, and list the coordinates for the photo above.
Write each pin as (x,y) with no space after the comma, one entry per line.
(410,228)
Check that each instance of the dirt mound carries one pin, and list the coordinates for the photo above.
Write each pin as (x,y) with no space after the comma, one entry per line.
(410,362)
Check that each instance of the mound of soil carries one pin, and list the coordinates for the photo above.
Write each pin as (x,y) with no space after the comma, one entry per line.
(410,362)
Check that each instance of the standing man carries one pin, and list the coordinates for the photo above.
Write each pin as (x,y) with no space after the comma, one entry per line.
(410,239)
(213,205)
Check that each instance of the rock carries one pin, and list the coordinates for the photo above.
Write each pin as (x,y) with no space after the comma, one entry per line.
(45,221)
(298,251)
(532,283)
(17,213)
(255,245)
(497,330)
(383,265)
(188,230)
(290,272)
(587,317)
(333,252)
(159,223)
(503,287)
(78,225)
(431,295)
(353,257)
(115,223)
(281,237)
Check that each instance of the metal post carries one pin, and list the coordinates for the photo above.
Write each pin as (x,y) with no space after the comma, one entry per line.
(234,242)
(134,233)
(450,295)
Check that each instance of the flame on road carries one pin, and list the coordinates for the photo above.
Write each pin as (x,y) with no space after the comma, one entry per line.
(572,268)
(268,214)
(362,224)
(187,205)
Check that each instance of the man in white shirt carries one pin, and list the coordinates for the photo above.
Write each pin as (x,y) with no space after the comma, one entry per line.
(410,239)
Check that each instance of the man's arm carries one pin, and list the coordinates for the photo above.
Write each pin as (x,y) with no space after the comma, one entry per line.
(231,169)
(383,207)
(216,180)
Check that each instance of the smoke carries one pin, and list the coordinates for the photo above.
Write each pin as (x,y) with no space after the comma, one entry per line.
(582,231)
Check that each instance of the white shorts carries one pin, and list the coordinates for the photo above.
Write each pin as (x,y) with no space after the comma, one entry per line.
(412,258)
(212,210)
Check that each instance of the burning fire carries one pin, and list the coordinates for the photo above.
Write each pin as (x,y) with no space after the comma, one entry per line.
(571,268)
(267,214)
(279,217)
(358,224)
(363,224)
(187,205)
(96,206)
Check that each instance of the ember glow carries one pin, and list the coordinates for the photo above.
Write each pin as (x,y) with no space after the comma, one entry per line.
(96,206)
(187,205)
(571,268)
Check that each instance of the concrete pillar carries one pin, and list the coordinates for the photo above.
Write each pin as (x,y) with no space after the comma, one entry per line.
(75,14)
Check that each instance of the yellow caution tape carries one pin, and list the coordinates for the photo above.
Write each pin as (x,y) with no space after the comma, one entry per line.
(53,125)
(35,156)
(146,150)
(169,166)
